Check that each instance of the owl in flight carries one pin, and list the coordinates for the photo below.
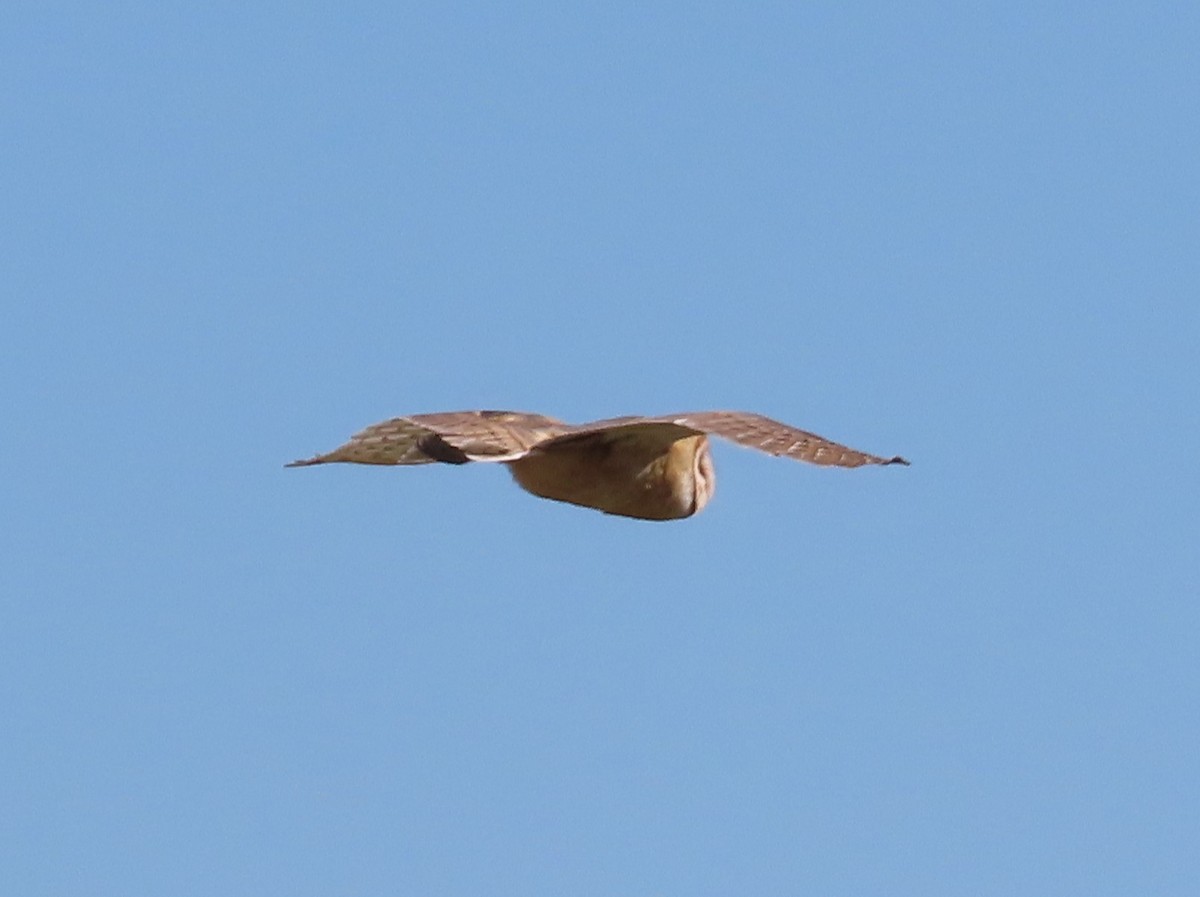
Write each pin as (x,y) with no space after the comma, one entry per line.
(653,468)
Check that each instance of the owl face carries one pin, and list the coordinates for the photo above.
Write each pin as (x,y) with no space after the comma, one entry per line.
(704,476)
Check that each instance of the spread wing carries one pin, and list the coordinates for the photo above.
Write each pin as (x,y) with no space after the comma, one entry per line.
(458,437)
(751,430)
(770,436)
(453,437)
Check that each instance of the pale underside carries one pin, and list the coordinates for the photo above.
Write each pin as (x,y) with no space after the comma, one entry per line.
(654,468)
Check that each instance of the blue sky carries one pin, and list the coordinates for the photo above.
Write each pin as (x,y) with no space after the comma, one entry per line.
(235,234)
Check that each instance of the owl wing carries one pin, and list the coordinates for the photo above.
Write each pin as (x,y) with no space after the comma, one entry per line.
(770,436)
(747,429)
(453,437)
(651,434)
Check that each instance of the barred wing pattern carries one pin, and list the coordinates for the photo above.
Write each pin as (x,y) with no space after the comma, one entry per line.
(770,436)
(453,437)
(744,428)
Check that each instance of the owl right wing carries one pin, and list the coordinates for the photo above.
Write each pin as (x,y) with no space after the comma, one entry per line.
(781,440)
(655,435)
(452,437)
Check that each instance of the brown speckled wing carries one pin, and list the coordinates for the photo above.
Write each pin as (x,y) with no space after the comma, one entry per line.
(770,436)
(453,437)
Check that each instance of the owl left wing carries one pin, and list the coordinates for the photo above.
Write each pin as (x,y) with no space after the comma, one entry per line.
(775,438)
(451,437)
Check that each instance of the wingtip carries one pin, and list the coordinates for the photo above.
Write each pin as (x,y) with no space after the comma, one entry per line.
(898,460)
(304,462)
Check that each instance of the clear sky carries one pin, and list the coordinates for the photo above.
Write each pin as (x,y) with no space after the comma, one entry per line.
(234,234)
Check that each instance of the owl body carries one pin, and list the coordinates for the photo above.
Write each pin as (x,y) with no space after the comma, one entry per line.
(650,468)
(622,477)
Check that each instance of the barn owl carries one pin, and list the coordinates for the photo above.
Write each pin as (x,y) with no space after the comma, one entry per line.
(652,468)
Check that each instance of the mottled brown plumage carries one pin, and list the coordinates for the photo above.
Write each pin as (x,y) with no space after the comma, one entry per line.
(653,468)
